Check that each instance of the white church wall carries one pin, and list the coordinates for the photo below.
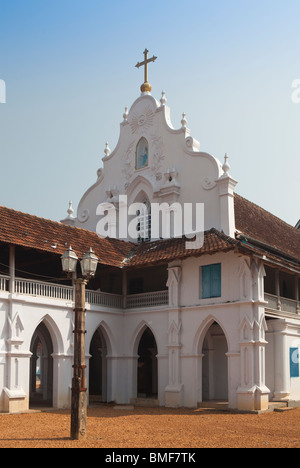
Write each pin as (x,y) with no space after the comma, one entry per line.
(170,152)
(239,311)
(191,293)
(180,330)
(282,336)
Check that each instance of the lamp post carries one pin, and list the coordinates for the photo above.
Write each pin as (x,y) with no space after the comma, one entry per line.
(79,390)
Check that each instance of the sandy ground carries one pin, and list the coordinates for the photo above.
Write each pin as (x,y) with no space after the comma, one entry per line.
(153,428)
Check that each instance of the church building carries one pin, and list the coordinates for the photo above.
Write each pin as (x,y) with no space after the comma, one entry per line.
(173,318)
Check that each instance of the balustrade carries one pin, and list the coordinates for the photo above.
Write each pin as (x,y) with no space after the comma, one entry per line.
(57,291)
(282,304)
(150,299)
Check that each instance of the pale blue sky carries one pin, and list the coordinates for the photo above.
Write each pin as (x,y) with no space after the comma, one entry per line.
(69,68)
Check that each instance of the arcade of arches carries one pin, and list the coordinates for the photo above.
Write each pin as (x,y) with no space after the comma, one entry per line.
(213,371)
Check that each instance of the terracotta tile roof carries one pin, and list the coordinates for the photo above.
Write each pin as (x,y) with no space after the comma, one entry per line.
(265,230)
(171,249)
(261,232)
(33,232)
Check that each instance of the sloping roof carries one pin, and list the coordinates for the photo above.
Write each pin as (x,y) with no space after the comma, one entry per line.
(271,232)
(259,231)
(42,234)
(171,249)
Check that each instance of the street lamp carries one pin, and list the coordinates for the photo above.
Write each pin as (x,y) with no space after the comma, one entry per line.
(89,264)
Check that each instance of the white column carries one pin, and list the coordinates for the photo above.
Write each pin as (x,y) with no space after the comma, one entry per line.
(174,389)
(281,365)
(252,393)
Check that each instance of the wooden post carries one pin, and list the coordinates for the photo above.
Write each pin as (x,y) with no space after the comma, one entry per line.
(277,287)
(79,389)
(124,288)
(12,268)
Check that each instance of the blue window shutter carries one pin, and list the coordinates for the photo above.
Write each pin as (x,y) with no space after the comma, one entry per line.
(211,281)
(206,282)
(215,287)
(294,362)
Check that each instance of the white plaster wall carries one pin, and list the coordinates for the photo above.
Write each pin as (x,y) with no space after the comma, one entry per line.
(169,148)
(286,334)
(191,279)
(122,331)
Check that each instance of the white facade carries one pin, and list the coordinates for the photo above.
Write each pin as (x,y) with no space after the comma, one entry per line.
(234,347)
(174,169)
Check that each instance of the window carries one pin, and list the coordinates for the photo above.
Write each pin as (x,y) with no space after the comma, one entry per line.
(211,281)
(144,222)
(142,152)
(294,362)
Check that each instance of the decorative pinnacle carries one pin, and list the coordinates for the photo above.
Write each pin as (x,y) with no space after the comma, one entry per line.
(107,149)
(70,210)
(226,166)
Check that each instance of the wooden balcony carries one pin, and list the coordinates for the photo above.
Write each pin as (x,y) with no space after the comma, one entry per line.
(282,304)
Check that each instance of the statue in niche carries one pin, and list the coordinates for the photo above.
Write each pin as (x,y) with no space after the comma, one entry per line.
(142,153)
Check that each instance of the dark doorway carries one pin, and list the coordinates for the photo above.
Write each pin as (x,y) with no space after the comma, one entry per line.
(98,368)
(214,365)
(147,366)
(41,368)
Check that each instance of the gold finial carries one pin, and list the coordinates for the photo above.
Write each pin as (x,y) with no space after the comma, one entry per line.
(146,87)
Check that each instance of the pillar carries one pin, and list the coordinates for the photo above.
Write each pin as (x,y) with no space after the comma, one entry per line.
(252,394)
(174,389)
(281,364)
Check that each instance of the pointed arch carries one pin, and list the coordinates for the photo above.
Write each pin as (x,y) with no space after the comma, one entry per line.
(41,366)
(146,371)
(107,334)
(202,330)
(137,334)
(55,333)
(139,185)
(211,345)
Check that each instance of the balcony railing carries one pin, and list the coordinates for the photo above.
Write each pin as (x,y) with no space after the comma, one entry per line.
(39,289)
(150,299)
(4,283)
(282,304)
(57,291)
(104,299)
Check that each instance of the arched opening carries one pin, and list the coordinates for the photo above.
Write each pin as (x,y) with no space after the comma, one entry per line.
(142,154)
(98,368)
(214,365)
(41,368)
(147,375)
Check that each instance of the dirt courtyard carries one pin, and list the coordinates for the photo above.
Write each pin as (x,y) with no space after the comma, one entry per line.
(153,428)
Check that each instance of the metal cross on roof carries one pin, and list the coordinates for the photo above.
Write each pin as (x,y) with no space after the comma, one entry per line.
(146,87)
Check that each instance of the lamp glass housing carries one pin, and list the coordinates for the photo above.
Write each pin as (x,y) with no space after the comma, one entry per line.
(89,264)
(69,261)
